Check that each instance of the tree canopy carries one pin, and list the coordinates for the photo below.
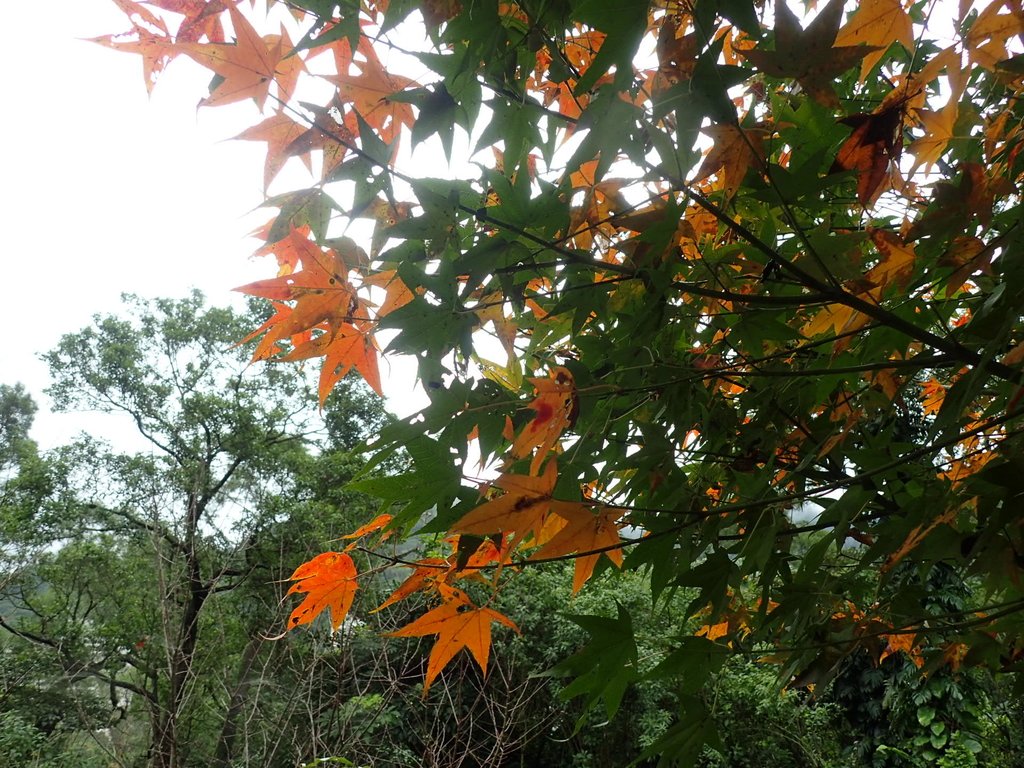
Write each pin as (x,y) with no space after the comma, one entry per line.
(728,292)
(137,585)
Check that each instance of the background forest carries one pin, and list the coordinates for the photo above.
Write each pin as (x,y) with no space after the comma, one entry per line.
(141,602)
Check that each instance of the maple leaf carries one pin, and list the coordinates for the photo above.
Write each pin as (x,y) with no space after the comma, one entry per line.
(987,38)
(396,294)
(280,132)
(877,23)
(368,93)
(379,522)
(734,150)
(808,55)
(916,536)
(492,310)
(202,18)
(523,507)
(268,345)
(332,137)
(325,301)
(425,577)
(436,12)
(287,68)
(247,66)
(875,144)
(328,581)
(584,531)
(837,318)
(343,348)
(152,41)
(556,406)
(938,132)
(321,290)
(897,259)
(901,643)
(458,624)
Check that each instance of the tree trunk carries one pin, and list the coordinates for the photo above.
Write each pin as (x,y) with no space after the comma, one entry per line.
(166,752)
(228,732)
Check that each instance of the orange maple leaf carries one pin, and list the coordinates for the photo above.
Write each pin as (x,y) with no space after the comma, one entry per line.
(714,631)
(523,508)
(368,93)
(324,301)
(556,405)
(584,531)
(329,581)
(425,577)
(916,536)
(902,643)
(321,290)
(152,40)
(396,294)
(280,132)
(379,522)
(342,348)
(247,66)
(458,624)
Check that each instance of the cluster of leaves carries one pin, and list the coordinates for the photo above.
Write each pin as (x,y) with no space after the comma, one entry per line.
(715,259)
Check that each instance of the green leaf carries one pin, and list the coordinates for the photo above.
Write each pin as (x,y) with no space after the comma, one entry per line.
(606,666)
(624,22)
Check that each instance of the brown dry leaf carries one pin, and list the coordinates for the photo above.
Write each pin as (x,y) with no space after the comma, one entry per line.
(875,144)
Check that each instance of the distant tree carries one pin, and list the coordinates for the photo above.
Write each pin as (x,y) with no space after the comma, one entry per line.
(25,479)
(163,567)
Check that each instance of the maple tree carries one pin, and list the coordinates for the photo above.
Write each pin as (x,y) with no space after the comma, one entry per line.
(727,274)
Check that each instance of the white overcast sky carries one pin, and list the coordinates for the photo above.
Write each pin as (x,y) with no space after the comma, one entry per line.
(106,190)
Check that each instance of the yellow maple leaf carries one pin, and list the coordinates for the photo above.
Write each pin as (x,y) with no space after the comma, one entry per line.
(877,23)
(897,259)
(938,130)
(987,38)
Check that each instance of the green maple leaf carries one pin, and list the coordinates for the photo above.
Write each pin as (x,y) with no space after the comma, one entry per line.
(808,55)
